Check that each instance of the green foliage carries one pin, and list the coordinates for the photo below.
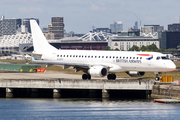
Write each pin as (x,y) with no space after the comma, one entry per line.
(151,47)
(134,48)
(116,49)
(107,48)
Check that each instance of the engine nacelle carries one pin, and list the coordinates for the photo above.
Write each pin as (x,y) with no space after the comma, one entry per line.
(135,73)
(98,71)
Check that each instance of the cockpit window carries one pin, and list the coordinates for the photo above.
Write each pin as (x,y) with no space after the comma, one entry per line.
(157,58)
(164,58)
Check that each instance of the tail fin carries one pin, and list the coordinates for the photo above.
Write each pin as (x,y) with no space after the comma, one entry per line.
(39,41)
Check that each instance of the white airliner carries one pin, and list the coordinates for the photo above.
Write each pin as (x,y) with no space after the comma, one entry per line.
(99,63)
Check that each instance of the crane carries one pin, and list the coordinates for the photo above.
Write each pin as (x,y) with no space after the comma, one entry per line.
(138,19)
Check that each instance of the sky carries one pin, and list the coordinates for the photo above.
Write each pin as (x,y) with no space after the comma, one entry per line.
(81,15)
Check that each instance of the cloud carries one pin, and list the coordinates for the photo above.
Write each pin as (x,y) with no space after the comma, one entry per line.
(30,10)
(97,8)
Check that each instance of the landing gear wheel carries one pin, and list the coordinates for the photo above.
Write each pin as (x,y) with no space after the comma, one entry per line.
(88,76)
(84,76)
(157,79)
(111,76)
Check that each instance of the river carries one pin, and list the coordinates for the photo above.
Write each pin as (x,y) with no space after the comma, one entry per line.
(86,109)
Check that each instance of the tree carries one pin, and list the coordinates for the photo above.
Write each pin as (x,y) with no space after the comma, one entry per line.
(143,48)
(134,48)
(107,48)
(116,49)
(152,47)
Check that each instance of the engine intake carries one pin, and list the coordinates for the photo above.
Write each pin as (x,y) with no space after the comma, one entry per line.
(135,73)
(98,71)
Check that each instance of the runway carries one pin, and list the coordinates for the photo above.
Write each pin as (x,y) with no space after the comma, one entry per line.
(46,75)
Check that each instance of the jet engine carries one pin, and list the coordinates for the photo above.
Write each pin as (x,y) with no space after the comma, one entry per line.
(135,73)
(98,71)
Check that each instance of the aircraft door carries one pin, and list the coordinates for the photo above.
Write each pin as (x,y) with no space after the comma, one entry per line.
(53,56)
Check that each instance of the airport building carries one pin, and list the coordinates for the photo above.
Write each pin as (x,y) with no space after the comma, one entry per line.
(125,40)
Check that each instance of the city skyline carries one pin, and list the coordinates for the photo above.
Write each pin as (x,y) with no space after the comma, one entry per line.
(81,15)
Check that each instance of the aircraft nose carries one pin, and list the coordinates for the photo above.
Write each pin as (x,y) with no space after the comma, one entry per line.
(171,66)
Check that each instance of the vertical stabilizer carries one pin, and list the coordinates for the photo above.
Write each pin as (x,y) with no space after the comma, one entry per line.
(40,43)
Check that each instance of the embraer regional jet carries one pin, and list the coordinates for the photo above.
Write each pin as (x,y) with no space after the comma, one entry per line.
(99,63)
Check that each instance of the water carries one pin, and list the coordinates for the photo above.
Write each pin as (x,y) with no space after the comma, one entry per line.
(86,109)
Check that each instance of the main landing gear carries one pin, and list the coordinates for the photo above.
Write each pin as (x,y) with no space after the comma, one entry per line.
(157,76)
(111,76)
(86,76)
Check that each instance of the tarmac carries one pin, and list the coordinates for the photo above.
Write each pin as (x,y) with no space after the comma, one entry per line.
(46,75)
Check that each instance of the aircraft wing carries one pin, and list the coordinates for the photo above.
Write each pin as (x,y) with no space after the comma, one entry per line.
(35,55)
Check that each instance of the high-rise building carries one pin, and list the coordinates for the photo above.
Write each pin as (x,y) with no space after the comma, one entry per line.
(136,25)
(26,22)
(175,26)
(169,39)
(9,26)
(116,27)
(57,27)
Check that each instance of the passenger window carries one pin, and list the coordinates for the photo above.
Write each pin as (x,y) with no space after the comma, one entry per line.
(61,55)
(133,57)
(140,57)
(67,55)
(85,56)
(95,56)
(123,57)
(106,56)
(57,55)
(70,55)
(88,56)
(157,58)
(137,57)
(102,56)
(82,56)
(113,57)
(79,56)
(64,55)
(126,57)
(120,57)
(73,55)
(91,56)
(76,56)
(99,56)
(109,56)
(116,56)
(130,58)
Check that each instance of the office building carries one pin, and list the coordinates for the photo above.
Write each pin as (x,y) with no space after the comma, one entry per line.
(56,27)
(175,26)
(150,29)
(105,30)
(169,39)
(116,27)
(9,26)
(136,25)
